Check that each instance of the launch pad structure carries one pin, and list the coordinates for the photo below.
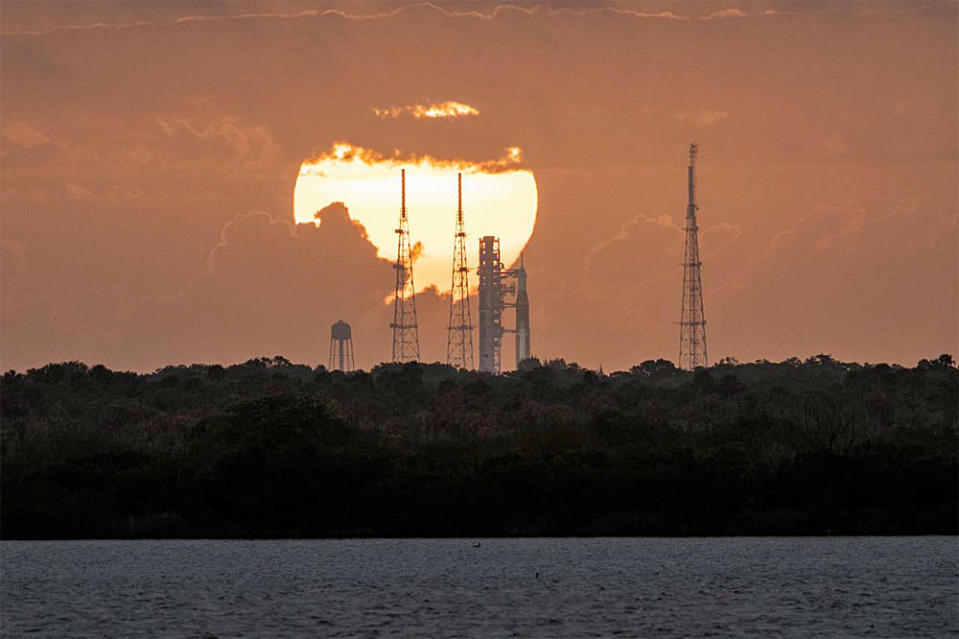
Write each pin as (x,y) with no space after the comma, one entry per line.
(499,289)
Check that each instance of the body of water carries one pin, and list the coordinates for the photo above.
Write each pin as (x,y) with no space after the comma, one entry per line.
(763,587)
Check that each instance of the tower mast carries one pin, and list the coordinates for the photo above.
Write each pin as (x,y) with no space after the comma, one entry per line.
(692,322)
(406,343)
(459,340)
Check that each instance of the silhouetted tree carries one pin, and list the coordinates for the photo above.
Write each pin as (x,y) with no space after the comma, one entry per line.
(272,448)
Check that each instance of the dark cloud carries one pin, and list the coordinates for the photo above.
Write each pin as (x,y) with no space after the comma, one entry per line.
(271,287)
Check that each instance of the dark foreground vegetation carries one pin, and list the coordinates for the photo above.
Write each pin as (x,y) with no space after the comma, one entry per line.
(273,449)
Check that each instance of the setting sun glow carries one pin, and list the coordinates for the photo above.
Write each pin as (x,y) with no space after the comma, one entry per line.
(497,200)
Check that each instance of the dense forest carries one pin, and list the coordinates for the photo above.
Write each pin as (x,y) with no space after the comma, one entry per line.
(273,449)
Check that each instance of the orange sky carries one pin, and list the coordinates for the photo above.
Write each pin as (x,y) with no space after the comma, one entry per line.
(150,152)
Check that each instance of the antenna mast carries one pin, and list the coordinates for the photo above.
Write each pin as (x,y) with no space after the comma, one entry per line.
(406,343)
(459,341)
(692,323)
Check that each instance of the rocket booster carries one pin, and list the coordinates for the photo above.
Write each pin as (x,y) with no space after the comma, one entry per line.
(522,316)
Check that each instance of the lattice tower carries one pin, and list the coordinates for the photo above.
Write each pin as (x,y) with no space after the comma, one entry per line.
(459,340)
(406,343)
(692,323)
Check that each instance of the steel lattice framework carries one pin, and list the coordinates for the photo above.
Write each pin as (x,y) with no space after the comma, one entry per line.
(459,340)
(692,322)
(499,289)
(491,291)
(406,343)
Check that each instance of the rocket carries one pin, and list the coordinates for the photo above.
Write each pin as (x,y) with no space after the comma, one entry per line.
(522,315)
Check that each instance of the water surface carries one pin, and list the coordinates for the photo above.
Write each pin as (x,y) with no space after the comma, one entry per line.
(768,587)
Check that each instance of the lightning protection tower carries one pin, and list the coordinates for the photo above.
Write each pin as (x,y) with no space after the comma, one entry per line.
(406,343)
(459,341)
(692,322)
(341,347)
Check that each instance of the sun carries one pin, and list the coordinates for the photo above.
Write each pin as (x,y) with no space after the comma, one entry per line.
(498,199)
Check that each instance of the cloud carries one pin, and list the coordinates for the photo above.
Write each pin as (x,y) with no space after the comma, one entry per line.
(638,250)
(344,152)
(23,136)
(827,282)
(354,14)
(704,117)
(223,136)
(268,287)
(725,13)
(843,267)
(826,229)
(645,248)
(443,111)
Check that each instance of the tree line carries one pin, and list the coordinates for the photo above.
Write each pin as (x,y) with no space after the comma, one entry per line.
(269,448)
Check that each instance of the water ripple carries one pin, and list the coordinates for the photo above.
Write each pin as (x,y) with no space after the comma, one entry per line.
(786,587)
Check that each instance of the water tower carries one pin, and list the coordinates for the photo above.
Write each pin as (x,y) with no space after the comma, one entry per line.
(341,347)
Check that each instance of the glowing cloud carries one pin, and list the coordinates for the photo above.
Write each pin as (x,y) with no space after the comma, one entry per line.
(725,13)
(499,198)
(444,110)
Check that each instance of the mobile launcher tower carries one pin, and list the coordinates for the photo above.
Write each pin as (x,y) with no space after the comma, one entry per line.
(500,289)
